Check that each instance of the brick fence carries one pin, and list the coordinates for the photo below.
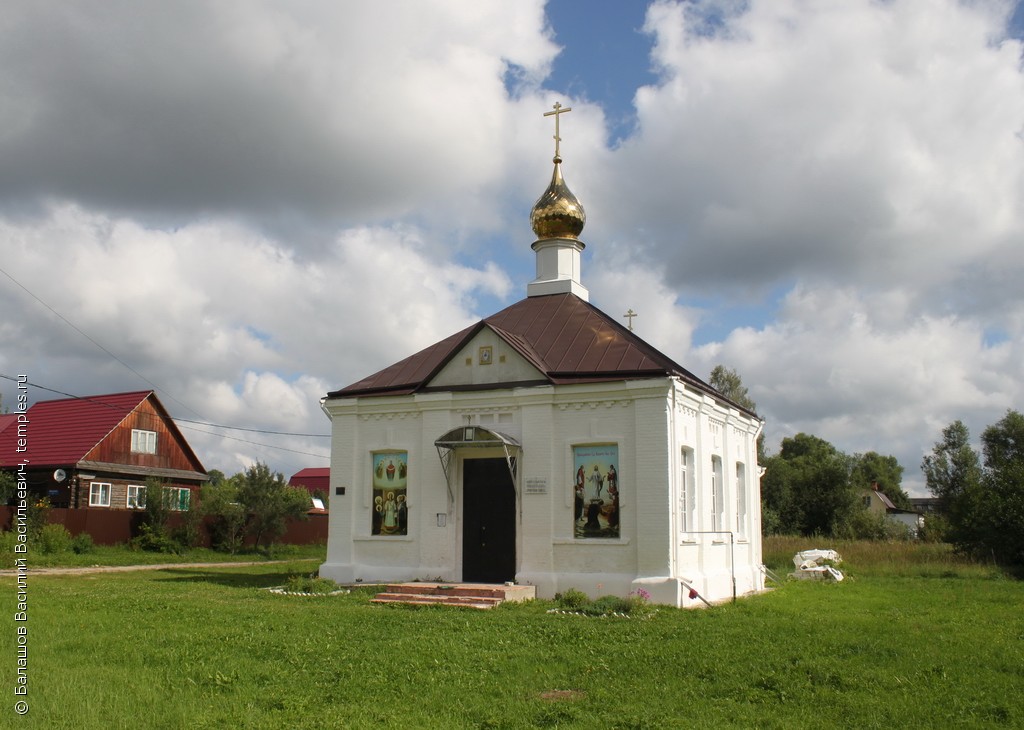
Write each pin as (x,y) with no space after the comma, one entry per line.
(111,527)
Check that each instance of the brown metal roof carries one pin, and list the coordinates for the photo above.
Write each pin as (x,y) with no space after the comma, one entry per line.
(564,337)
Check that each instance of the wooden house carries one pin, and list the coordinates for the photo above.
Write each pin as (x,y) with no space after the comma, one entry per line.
(98,451)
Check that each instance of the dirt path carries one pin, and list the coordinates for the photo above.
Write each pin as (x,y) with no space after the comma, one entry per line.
(127,568)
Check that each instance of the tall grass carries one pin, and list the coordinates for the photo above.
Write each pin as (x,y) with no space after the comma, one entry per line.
(906,558)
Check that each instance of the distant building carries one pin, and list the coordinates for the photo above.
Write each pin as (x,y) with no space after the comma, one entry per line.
(97,452)
(312,479)
(925,505)
(549,445)
(876,501)
(316,481)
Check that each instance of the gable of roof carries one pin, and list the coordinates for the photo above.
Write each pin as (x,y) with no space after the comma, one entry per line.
(66,431)
(565,338)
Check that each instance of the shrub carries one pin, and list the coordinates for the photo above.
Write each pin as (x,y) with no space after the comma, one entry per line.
(868,525)
(54,539)
(309,584)
(82,543)
(36,514)
(155,540)
(228,516)
(572,599)
(637,604)
(606,605)
(189,532)
(7,542)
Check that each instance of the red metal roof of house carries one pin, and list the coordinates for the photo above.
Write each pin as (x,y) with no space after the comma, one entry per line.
(63,432)
(312,478)
(6,420)
(564,337)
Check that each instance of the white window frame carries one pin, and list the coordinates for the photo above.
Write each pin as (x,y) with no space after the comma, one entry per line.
(99,497)
(717,495)
(687,492)
(741,499)
(174,503)
(143,442)
(136,497)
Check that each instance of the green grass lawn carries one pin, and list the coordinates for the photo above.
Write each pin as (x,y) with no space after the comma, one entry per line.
(123,555)
(207,648)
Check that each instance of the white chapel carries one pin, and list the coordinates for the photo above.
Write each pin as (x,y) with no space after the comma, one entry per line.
(546,445)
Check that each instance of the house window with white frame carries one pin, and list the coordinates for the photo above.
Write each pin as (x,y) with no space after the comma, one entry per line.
(178,499)
(687,492)
(717,495)
(136,496)
(741,499)
(143,442)
(99,494)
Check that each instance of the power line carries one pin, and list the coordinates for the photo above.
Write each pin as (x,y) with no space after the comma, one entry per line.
(255,443)
(181,420)
(83,334)
(156,388)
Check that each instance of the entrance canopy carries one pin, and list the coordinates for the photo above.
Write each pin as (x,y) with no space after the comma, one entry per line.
(474,437)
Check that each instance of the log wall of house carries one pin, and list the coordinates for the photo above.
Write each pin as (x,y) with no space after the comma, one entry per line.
(116,448)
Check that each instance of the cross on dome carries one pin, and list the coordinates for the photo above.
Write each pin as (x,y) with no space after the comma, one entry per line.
(558,109)
(557,219)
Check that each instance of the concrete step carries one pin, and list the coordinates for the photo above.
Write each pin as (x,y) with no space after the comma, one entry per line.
(475,595)
(434,600)
(446,589)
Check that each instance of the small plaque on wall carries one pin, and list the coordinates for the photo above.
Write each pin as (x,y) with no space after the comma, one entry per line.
(536,485)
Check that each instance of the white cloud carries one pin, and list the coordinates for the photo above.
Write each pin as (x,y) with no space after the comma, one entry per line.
(233,327)
(863,142)
(253,203)
(349,112)
(840,365)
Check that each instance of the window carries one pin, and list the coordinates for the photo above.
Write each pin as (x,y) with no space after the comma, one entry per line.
(99,494)
(143,442)
(741,499)
(687,496)
(136,496)
(178,498)
(717,495)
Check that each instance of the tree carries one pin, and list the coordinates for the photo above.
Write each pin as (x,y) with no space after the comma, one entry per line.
(270,502)
(1001,499)
(728,382)
(8,487)
(154,532)
(953,468)
(1002,444)
(216,477)
(984,505)
(227,515)
(885,471)
(807,486)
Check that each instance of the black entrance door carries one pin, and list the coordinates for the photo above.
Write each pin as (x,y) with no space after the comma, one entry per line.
(488,522)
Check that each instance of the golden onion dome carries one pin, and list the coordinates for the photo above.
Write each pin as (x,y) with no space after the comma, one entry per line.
(557,213)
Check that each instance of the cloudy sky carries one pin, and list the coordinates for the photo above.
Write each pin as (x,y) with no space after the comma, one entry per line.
(246,204)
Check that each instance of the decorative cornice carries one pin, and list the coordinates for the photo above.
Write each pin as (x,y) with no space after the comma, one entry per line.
(401,416)
(593,405)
